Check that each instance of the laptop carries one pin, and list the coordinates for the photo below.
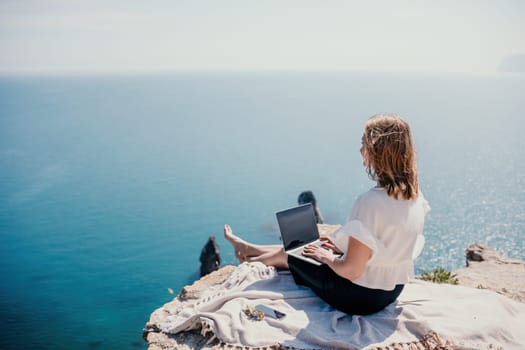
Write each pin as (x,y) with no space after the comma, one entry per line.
(298,228)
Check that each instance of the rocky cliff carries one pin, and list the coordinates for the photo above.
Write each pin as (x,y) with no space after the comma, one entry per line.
(486,269)
(158,340)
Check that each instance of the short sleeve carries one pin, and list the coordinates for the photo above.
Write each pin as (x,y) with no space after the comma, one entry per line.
(424,203)
(420,240)
(354,229)
(418,247)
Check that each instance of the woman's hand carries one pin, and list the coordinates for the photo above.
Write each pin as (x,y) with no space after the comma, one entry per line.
(329,244)
(318,253)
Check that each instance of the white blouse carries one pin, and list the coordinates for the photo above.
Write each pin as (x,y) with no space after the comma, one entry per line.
(392,229)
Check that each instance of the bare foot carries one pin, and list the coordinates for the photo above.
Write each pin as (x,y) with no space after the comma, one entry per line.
(240,246)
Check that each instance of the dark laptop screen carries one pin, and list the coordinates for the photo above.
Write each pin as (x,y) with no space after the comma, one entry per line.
(297,226)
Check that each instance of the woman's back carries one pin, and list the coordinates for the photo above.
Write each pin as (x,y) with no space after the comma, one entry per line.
(392,229)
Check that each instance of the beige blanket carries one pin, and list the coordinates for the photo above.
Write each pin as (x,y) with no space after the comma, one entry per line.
(466,318)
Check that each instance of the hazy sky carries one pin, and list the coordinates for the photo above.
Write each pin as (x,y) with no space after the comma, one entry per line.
(455,36)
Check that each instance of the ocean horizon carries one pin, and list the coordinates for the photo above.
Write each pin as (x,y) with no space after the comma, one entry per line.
(111,184)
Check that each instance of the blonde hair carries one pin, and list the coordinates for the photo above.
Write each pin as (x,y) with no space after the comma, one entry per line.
(391,155)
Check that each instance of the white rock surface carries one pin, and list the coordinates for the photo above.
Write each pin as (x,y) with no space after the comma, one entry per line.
(488,269)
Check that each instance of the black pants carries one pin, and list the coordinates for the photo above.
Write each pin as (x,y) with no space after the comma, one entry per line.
(340,292)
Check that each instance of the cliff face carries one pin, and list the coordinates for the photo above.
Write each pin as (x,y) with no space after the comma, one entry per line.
(486,269)
(158,340)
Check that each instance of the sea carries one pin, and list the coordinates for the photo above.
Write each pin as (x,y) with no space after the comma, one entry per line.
(110,184)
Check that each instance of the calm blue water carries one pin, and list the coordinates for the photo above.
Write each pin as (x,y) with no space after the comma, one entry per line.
(109,186)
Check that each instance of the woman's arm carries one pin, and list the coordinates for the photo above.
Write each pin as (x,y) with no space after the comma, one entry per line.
(353,263)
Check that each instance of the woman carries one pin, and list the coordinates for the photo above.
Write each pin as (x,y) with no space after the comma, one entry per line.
(380,239)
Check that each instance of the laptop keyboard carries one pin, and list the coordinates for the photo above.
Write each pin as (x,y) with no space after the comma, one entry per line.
(300,249)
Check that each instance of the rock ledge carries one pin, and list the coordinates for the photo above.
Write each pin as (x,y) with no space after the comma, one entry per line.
(486,269)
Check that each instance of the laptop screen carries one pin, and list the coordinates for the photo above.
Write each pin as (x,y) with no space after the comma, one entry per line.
(297,226)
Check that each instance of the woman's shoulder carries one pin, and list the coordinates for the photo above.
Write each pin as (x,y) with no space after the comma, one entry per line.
(377,198)
(380,194)
(370,201)
(374,194)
